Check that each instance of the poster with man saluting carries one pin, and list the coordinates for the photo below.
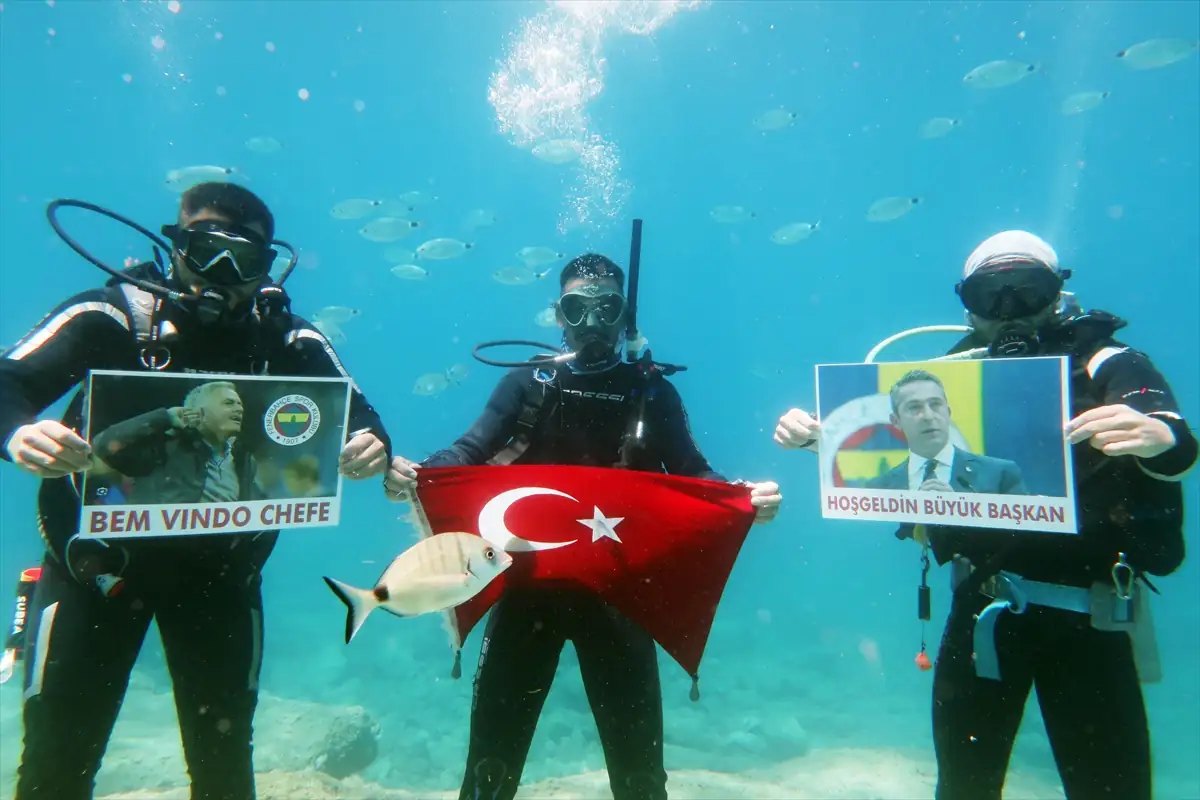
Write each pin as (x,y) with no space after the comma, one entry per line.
(976,444)
(186,454)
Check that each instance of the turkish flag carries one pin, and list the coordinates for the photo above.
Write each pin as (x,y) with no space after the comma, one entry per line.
(658,548)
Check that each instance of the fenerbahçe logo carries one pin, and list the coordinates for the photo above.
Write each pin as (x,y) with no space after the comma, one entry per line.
(859,442)
(292,420)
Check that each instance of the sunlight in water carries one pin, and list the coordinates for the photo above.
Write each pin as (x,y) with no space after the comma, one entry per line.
(553,69)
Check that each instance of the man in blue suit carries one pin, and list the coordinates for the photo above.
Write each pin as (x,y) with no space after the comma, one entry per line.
(922,413)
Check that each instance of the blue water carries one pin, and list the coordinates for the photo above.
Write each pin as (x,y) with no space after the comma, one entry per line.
(816,632)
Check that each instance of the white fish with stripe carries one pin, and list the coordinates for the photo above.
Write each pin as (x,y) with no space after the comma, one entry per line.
(1080,102)
(891,208)
(795,232)
(180,180)
(996,74)
(437,573)
(538,256)
(774,120)
(442,249)
(937,127)
(387,229)
(1156,53)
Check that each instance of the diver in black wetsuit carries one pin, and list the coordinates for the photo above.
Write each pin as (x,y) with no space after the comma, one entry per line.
(579,416)
(93,605)
(1056,611)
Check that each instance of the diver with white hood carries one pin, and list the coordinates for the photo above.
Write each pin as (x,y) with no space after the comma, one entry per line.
(1067,614)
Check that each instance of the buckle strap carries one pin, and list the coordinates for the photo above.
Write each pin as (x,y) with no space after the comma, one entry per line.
(1011,592)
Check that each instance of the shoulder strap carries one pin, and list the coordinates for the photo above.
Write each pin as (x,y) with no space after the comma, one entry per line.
(533,402)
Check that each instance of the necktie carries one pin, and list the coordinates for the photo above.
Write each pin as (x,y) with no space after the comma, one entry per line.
(930,470)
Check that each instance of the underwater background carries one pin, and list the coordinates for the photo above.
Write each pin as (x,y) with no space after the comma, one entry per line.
(679,112)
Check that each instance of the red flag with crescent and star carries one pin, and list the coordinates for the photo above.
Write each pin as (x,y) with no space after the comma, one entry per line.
(658,548)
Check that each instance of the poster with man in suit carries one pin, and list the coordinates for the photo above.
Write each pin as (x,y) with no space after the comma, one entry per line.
(968,443)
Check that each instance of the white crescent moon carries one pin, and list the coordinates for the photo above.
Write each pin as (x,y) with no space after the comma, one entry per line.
(492,527)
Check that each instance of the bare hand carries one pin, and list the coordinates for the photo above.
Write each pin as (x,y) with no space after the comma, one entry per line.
(797,429)
(1121,431)
(364,456)
(186,417)
(766,498)
(934,485)
(400,483)
(49,449)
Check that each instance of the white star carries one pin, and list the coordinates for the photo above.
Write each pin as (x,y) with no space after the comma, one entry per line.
(602,527)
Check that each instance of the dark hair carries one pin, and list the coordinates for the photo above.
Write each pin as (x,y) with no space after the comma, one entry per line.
(591,266)
(231,200)
(913,376)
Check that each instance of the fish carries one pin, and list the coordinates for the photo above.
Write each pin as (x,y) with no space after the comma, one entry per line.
(418,198)
(1083,101)
(331,330)
(336,314)
(995,74)
(891,208)
(437,573)
(457,373)
(442,249)
(387,229)
(410,272)
(775,120)
(557,151)
(263,144)
(731,215)
(354,208)
(517,276)
(1155,53)
(538,256)
(795,232)
(430,384)
(937,127)
(546,318)
(180,180)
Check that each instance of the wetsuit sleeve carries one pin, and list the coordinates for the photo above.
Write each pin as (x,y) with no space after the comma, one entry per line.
(1128,377)
(86,332)
(133,447)
(309,354)
(491,431)
(679,452)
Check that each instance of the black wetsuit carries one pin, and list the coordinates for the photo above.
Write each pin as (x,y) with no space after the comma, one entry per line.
(582,421)
(204,591)
(1087,683)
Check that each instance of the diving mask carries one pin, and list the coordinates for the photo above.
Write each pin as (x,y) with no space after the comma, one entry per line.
(223,255)
(1011,290)
(580,305)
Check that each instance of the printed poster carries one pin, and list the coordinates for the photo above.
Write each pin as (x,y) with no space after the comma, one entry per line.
(977,443)
(188,454)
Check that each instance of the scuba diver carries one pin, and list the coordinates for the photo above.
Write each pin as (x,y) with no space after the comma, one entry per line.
(1067,614)
(589,408)
(213,309)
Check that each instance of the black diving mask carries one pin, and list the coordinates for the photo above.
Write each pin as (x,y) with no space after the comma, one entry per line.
(1011,290)
(577,307)
(223,255)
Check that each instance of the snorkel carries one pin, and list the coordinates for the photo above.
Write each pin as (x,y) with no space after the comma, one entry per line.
(632,337)
(210,304)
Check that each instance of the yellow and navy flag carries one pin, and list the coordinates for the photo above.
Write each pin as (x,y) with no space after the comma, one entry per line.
(1004,408)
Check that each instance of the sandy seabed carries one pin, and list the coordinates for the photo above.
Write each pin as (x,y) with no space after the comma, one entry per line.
(144,761)
(845,774)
